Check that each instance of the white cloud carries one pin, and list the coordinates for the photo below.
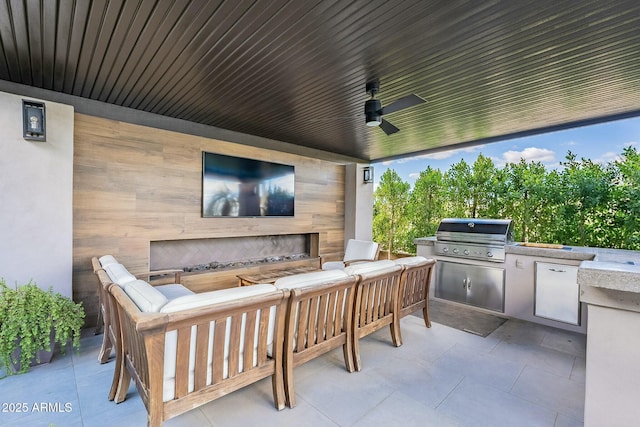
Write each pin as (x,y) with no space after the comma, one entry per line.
(441,155)
(530,154)
(607,157)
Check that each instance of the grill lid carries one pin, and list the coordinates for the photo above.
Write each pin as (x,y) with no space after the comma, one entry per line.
(475,230)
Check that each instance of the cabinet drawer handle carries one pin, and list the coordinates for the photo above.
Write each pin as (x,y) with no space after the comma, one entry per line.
(558,270)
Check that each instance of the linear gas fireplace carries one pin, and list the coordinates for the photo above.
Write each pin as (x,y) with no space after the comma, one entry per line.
(212,254)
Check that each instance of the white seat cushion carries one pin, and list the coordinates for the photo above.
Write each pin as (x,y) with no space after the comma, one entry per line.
(307,279)
(369,267)
(148,299)
(333,265)
(174,291)
(119,274)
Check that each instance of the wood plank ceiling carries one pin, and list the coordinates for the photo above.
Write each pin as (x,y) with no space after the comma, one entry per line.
(295,71)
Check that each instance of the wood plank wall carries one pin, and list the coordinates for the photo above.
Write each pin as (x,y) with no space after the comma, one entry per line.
(133,184)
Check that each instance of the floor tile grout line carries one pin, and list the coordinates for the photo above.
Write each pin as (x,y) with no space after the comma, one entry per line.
(450,392)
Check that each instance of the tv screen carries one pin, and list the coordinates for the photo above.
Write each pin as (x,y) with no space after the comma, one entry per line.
(239,187)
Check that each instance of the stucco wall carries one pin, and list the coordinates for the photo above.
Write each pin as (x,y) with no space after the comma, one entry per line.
(36,186)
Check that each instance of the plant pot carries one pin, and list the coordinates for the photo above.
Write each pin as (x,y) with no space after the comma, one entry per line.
(42,357)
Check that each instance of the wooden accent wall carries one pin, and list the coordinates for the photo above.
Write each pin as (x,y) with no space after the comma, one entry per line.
(133,184)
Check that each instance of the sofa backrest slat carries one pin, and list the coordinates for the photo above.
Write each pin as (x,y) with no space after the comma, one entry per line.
(202,352)
(376,297)
(218,350)
(250,326)
(312,320)
(234,345)
(302,322)
(262,340)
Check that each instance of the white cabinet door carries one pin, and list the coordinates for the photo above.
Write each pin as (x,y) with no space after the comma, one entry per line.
(557,292)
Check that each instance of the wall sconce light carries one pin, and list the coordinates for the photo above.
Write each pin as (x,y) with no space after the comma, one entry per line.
(33,121)
(367,174)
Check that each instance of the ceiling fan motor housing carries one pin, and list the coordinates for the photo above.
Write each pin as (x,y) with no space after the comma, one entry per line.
(372,112)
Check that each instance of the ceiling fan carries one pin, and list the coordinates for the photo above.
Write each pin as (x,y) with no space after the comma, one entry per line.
(374,111)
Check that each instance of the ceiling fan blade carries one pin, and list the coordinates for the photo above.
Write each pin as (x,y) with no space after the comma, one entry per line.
(402,103)
(388,128)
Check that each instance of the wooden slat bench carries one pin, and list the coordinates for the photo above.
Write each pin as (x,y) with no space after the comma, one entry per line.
(199,347)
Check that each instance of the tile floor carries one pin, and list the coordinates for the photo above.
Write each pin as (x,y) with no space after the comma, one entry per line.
(522,374)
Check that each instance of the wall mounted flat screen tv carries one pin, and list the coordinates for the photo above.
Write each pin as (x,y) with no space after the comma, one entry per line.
(240,187)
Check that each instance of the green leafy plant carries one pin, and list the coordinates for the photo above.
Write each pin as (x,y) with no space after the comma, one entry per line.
(33,319)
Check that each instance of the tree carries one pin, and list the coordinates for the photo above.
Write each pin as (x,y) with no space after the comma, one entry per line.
(482,186)
(390,220)
(525,197)
(457,190)
(586,192)
(426,205)
(627,198)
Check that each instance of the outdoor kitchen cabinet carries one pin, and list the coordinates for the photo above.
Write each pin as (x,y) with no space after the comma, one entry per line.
(480,286)
(557,292)
(520,289)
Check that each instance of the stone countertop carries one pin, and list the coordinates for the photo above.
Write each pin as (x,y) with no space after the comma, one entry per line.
(607,269)
(566,252)
(617,276)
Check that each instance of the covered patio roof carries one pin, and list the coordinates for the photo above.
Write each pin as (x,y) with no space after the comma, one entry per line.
(296,71)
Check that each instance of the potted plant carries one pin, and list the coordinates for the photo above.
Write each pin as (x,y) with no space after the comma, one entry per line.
(34,320)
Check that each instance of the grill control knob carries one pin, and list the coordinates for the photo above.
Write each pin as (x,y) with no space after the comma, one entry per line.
(466,252)
(455,250)
(489,254)
(445,250)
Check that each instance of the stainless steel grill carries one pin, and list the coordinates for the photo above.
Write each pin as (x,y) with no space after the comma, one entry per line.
(474,238)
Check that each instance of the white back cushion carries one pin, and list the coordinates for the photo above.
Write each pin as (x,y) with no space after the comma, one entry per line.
(369,267)
(307,279)
(119,274)
(106,260)
(148,299)
(360,249)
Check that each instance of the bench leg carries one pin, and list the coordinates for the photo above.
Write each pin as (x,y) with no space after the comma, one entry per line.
(356,352)
(278,390)
(105,349)
(396,333)
(348,355)
(122,386)
(425,314)
(290,394)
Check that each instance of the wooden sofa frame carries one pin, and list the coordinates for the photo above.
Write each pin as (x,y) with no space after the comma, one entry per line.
(104,320)
(384,297)
(376,305)
(318,320)
(414,292)
(141,351)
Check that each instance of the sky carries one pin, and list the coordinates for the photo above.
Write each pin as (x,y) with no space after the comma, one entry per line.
(600,143)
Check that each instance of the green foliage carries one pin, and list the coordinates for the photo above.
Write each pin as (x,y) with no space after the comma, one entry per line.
(28,315)
(582,204)
(390,222)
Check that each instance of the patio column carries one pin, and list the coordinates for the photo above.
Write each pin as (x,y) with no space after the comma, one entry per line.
(358,215)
